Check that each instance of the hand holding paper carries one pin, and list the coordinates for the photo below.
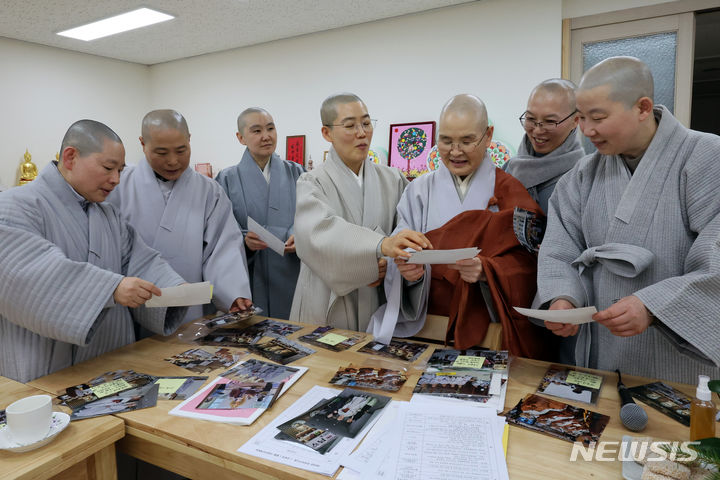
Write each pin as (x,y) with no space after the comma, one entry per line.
(273,242)
(575,316)
(133,292)
(182,295)
(443,257)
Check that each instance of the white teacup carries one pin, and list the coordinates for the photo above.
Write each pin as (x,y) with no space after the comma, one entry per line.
(28,419)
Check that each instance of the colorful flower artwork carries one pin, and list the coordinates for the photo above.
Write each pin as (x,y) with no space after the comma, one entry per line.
(410,144)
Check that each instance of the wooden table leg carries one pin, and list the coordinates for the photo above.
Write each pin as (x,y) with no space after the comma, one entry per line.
(102,466)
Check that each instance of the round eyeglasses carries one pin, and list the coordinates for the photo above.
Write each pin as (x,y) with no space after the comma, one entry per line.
(531,123)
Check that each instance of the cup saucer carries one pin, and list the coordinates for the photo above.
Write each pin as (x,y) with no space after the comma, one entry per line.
(59,422)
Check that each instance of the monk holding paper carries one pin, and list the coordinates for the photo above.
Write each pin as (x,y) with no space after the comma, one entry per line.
(467,202)
(633,229)
(71,268)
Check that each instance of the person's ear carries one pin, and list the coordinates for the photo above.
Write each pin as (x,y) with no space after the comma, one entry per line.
(326,134)
(240,138)
(645,107)
(488,136)
(68,158)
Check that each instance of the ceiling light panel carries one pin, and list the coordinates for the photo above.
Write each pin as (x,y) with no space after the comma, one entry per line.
(141,17)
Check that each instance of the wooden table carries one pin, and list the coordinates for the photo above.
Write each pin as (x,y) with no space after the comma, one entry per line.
(207,450)
(83,450)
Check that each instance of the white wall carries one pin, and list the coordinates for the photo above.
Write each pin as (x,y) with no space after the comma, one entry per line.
(404,68)
(581,8)
(45,89)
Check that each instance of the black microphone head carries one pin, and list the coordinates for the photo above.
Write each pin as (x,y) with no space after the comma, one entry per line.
(633,416)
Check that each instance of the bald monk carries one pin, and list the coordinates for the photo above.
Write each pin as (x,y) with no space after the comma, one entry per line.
(71,268)
(550,146)
(633,229)
(343,220)
(184,215)
(467,202)
(262,186)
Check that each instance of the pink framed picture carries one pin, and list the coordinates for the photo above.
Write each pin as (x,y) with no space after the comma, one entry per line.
(410,144)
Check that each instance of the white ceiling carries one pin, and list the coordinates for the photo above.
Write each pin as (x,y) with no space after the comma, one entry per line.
(199,27)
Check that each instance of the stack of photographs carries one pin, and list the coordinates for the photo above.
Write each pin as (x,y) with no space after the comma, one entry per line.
(369,377)
(332,419)
(112,392)
(665,399)
(558,419)
(281,350)
(241,394)
(329,338)
(396,349)
(571,384)
(479,376)
(178,388)
(200,360)
(249,335)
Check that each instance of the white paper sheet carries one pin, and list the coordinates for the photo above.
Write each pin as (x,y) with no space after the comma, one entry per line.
(264,445)
(442,257)
(182,295)
(575,316)
(273,242)
(424,443)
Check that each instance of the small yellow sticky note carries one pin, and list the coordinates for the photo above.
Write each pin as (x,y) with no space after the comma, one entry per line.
(332,339)
(584,379)
(168,386)
(465,361)
(110,388)
(445,374)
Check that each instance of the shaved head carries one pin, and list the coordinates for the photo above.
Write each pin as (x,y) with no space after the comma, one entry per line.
(164,120)
(468,106)
(628,79)
(328,110)
(88,136)
(242,118)
(558,87)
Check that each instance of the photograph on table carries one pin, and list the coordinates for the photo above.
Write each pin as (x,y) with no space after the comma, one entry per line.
(570,384)
(109,383)
(2,419)
(135,399)
(234,395)
(369,377)
(319,439)
(276,328)
(495,360)
(332,339)
(203,360)
(664,399)
(257,371)
(178,388)
(344,415)
(227,319)
(557,419)
(281,350)
(397,349)
(233,337)
(466,385)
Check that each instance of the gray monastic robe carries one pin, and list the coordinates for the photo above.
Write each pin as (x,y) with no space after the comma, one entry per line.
(195,232)
(59,267)
(654,235)
(338,226)
(429,202)
(540,173)
(272,205)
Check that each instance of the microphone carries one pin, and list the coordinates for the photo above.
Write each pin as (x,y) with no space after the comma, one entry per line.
(632,415)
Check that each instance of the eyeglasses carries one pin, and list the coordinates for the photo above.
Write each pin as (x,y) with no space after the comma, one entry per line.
(352,126)
(530,123)
(466,146)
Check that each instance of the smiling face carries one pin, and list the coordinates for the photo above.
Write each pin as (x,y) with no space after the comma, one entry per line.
(259,135)
(94,175)
(548,107)
(351,144)
(463,140)
(167,151)
(610,125)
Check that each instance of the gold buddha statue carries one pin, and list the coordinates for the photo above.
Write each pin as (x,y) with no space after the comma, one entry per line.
(28,170)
